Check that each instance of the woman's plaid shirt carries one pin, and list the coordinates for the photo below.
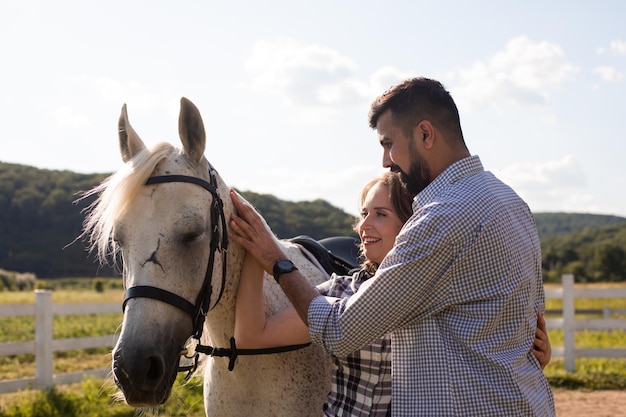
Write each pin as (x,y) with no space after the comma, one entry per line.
(361,383)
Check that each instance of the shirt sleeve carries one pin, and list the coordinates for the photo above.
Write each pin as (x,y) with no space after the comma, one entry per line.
(453,254)
(411,282)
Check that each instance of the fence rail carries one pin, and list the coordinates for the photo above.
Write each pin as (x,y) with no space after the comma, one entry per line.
(570,324)
(44,345)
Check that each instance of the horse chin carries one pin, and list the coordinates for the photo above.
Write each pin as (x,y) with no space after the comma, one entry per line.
(147,399)
(144,379)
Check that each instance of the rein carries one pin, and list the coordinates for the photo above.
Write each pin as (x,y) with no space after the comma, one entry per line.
(232,353)
(199,310)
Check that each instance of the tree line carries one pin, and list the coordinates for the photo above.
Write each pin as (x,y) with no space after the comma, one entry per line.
(41,217)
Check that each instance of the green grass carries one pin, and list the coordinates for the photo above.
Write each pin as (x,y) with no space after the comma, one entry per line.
(97,398)
(21,328)
(591,373)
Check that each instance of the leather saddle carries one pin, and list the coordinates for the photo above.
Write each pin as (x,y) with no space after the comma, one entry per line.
(338,254)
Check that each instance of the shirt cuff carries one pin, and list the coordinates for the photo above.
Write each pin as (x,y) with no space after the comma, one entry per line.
(323,326)
(319,310)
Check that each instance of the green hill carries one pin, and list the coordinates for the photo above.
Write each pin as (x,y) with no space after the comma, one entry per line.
(556,224)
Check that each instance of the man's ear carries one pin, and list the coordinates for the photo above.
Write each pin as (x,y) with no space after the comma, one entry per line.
(425,132)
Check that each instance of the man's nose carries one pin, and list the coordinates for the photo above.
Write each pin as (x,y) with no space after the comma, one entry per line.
(387,162)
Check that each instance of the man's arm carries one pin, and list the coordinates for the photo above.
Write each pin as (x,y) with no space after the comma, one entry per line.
(251,232)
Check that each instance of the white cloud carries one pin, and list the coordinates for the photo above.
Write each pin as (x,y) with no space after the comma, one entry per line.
(566,172)
(310,75)
(520,75)
(68,117)
(545,185)
(384,78)
(609,74)
(132,92)
(616,47)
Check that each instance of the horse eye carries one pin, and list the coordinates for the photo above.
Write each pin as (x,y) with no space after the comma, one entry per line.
(190,237)
(193,235)
(117,238)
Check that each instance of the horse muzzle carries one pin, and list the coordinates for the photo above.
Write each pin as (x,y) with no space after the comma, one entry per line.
(143,377)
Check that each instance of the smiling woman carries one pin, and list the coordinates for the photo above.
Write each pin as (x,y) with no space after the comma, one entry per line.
(361,382)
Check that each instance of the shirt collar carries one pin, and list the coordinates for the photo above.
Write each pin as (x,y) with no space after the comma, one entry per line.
(458,170)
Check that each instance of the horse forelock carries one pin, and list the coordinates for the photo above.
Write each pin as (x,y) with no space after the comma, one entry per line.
(115,194)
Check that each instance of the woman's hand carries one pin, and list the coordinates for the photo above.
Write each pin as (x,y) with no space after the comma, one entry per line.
(541,346)
(250,231)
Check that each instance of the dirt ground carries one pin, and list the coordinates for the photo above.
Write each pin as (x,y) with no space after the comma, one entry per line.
(590,403)
(569,403)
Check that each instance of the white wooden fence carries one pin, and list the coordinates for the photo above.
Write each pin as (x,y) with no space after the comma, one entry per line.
(44,345)
(570,324)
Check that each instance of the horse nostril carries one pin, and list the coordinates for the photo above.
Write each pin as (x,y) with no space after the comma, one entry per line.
(154,372)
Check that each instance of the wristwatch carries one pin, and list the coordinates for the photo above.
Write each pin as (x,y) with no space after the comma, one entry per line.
(283,266)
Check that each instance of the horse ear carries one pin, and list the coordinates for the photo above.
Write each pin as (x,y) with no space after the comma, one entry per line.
(130,142)
(191,130)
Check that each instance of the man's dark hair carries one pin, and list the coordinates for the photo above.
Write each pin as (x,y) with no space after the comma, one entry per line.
(417,99)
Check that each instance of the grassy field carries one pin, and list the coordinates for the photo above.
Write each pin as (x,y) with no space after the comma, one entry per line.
(93,397)
(18,329)
(97,398)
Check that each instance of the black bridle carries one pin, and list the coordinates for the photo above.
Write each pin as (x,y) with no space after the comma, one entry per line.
(199,310)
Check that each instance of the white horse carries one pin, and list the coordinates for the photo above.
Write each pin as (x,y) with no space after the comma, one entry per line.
(167,212)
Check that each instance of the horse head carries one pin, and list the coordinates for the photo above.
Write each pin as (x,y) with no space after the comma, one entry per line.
(163,213)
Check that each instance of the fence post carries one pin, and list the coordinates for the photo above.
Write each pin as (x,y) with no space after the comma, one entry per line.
(43,339)
(568,323)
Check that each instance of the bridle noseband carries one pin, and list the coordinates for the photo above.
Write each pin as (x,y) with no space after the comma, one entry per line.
(199,310)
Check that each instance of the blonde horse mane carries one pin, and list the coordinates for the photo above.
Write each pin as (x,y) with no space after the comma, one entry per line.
(114,195)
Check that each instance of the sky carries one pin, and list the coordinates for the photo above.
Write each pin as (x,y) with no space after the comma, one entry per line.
(284,88)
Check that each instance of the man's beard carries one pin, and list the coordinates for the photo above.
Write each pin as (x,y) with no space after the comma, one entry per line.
(418,176)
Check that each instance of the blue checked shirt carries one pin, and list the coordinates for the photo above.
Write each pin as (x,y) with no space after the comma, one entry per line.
(361,383)
(459,292)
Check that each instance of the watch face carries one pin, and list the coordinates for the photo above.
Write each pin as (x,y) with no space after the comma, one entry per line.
(285,264)
(282,266)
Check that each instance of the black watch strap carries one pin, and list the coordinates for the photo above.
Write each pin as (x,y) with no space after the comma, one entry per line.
(282,266)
